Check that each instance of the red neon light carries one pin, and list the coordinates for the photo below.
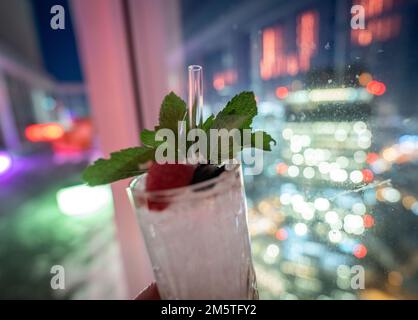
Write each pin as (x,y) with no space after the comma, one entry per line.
(376,88)
(372,157)
(281,168)
(44,132)
(281,234)
(360,251)
(307,38)
(378,28)
(223,79)
(292,65)
(375,8)
(272,46)
(368,175)
(75,140)
(275,61)
(218,83)
(282,92)
(368,221)
(364,37)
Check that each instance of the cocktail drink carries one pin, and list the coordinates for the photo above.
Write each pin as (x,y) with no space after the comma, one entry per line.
(192,213)
(197,239)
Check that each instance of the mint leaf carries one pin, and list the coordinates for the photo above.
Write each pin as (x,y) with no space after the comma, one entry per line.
(173,109)
(208,123)
(238,113)
(122,164)
(148,138)
(267,140)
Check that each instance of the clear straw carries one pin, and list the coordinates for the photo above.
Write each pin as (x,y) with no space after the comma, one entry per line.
(195,96)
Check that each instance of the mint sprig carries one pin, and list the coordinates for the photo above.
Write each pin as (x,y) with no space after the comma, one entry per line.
(121,165)
(173,109)
(237,114)
(148,138)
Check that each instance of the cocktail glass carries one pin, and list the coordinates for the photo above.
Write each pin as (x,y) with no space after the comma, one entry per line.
(198,243)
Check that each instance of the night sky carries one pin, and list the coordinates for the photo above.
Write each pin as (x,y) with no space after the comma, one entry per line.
(59,50)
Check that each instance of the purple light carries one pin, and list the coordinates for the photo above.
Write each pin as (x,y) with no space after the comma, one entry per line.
(5,162)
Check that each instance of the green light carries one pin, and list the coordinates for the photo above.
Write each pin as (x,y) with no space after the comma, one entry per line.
(82,200)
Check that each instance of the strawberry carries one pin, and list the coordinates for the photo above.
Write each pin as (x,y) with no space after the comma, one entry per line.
(167,176)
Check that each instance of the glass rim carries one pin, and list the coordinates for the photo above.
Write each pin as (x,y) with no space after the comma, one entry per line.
(195,67)
(138,189)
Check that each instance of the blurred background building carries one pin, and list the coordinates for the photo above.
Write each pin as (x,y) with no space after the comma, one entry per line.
(338,191)
(45,141)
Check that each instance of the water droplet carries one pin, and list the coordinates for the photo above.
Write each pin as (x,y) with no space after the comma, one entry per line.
(329,80)
(327,46)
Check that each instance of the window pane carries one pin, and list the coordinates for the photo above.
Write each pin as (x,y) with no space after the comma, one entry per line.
(336,203)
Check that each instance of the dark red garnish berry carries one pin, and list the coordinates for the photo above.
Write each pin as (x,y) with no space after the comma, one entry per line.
(167,176)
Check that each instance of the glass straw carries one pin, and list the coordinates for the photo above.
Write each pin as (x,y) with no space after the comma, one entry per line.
(195,96)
